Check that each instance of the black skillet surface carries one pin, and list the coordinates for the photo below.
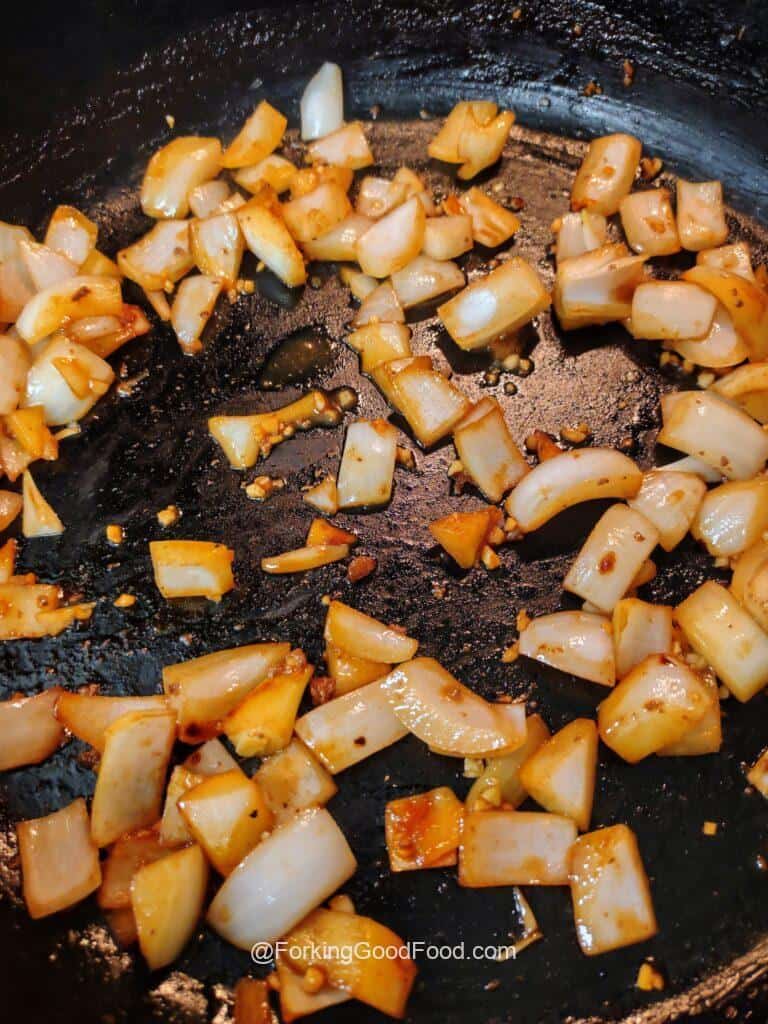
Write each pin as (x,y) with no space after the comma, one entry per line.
(696,99)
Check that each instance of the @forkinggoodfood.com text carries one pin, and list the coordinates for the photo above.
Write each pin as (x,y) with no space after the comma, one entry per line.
(309,952)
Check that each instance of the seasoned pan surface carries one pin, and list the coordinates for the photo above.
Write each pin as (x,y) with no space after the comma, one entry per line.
(143,451)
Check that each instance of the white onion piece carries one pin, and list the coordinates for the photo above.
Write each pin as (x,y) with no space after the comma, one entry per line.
(640,629)
(205,200)
(269,239)
(747,386)
(158,300)
(71,299)
(578,233)
(669,310)
(348,729)
(492,224)
(597,287)
(611,557)
(392,242)
(499,303)
(448,716)
(48,382)
(71,233)
(173,825)
(729,639)
(317,212)
(10,506)
(445,145)
(192,308)
(359,284)
(365,637)
(447,237)
(480,145)
(649,222)
(382,305)
(380,343)
(748,583)
(710,428)
(735,258)
(59,861)
(670,500)
(745,301)
(293,780)
(612,903)
(323,496)
(15,360)
(167,897)
(180,166)
(346,147)
(424,279)
(377,196)
(579,643)
(560,774)
(568,479)
(273,170)
(259,136)
(45,266)
(211,758)
(654,705)
(304,559)
(721,347)
(38,518)
(160,258)
(429,401)
(700,214)
(300,864)
(192,568)
(689,464)
(88,716)
(367,464)
(29,730)
(217,247)
(732,517)
(515,848)
(340,242)
(487,450)
(16,286)
(606,174)
(132,770)
(706,735)
(322,103)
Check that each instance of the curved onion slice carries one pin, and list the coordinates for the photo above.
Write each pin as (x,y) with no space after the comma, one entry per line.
(45,266)
(322,103)
(579,643)
(481,144)
(217,247)
(640,629)
(88,716)
(172,173)
(167,899)
(367,464)
(649,222)
(700,214)
(380,305)
(732,517)
(259,136)
(606,174)
(736,258)
(67,380)
(16,287)
(59,861)
(316,213)
(448,716)
(611,557)
(340,242)
(570,478)
(38,517)
(492,223)
(313,556)
(205,199)
(192,308)
(745,301)
(747,386)
(366,637)
(160,258)
(192,568)
(71,299)
(729,639)
(499,303)
(487,451)
(285,877)
(424,279)
(577,233)
(392,242)
(346,147)
(29,731)
(515,848)
(612,903)
(710,428)
(670,500)
(721,347)
(15,360)
(597,287)
(670,310)
(270,240)
(654,705)
(292,780)
(560,775)
(447,237)
(350,728)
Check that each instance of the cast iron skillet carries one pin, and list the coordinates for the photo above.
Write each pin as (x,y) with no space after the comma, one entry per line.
(87,108)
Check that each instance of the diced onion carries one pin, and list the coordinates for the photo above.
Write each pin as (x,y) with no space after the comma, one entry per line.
(359,284)
(303,559)
(73,299)
(424,279)
(492,224)
(579,643)
(346,147)
(729,639)
(15,360)
(293,780)
(670,500)
(316,213)
(167,899)
(745,302)
(747,386)
(732,517)
(689,464)
(287,875)
(45,266)
(429,401)
(670,310)
(711,429)
(32,610)
(10,506)
(323,496)
(322,103)
(377,196)
(192,568)
(380,343)
(481,145)
(210,758)
(192,308)
(736,259)
(180,166)
(448,716)
(205,200)
(611,557)
(499,303)
(104,335)
(217,247)
(640,629)
(499,784)
(269,239)
(88,716)
(721,347)
(367,464)
(597,287)
(757,776)
(366,637)
(160,258)
(173,826)
(447,237)
(71,233)
(392,242)
(16,286)
(67,380)
(578,233)
(700,214)
(649,222)
(29,731)
(380,305)
(340,242)
(560,775)
(350,672)
(515,848)
(423,831)
(445,145)
(38,517)
(259,136)
(571,478)
(606,174)
(487,450)
(463,534)
(273,170)
(131,852)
